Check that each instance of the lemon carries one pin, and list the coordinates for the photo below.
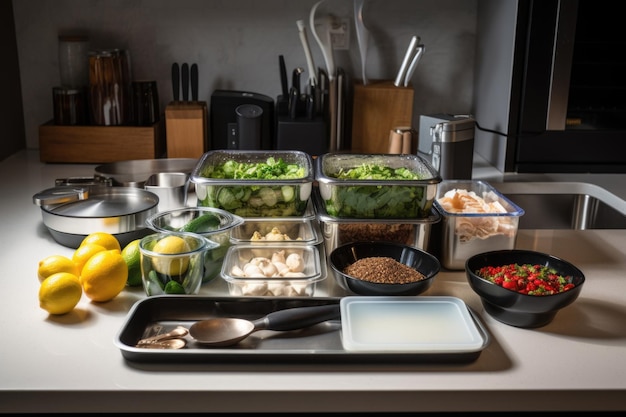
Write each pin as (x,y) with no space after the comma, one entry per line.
(167,265)
(56,263)
(104,275)
(83,253)
(59,293)
(103,239)
(132,257)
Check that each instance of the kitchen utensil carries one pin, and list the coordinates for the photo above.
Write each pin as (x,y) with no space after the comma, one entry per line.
(176,81)
(307,53)
(320,27)
(164,344)
(419,51)
(177,332)
(283,76)
(230,331)
(406,61)
(362,35)
(194,82)
(184,76)
(170,187)
(120,211)
(295,79)
(135,173)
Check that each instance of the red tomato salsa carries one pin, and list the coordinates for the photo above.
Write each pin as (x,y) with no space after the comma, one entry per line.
(527,279)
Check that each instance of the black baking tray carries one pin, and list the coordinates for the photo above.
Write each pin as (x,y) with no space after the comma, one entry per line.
(319,343)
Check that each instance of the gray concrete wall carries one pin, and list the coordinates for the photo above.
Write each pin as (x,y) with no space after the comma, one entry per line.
(236,44)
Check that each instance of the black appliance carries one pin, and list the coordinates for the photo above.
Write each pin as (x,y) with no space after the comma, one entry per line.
(562,90)
(223,119)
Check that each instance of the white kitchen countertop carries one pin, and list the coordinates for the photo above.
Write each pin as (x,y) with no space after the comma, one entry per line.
(70,364)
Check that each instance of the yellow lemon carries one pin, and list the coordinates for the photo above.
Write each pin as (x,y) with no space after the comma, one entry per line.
(169,265)
(104,275)
(83,253)
(59,293)
(103,239)
(132,257)
(56,263)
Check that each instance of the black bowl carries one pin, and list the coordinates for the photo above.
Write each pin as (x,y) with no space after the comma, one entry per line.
(511,307)
(417,259)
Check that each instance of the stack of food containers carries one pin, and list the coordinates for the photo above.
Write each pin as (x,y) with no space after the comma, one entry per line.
(375,197)
(276,250)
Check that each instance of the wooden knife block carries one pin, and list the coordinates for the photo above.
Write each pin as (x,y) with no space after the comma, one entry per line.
(186,129)
(378,107)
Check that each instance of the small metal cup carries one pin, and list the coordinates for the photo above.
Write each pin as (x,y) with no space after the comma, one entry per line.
(170,187)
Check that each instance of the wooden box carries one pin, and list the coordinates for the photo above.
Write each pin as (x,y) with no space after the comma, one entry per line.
(378,107)
(100,144)
(186,129)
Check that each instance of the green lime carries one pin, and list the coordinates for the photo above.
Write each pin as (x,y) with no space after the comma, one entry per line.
(132,257)
(173,287)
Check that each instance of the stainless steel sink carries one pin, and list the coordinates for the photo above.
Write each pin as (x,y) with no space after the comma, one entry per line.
(565,205)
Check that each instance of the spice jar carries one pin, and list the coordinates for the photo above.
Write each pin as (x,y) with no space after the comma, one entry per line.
(70,106)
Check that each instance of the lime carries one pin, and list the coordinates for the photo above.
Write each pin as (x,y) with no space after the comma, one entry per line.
(132,257)
(174,287)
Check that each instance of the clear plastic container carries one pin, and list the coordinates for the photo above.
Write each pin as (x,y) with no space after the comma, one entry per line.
(376,198)
(253,197)
(249,282)
(466,234)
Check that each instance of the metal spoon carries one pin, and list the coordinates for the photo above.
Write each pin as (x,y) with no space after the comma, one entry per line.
(164,344)
(176,333)
(230,331)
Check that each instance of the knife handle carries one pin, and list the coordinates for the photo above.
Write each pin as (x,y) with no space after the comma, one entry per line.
(283,76)
(194,82)
(176,81)
(185,79)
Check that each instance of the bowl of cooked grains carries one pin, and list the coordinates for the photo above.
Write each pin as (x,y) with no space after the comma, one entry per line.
(383,268)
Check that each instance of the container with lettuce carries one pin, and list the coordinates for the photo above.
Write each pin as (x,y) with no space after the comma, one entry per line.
(376,186)
(254,183)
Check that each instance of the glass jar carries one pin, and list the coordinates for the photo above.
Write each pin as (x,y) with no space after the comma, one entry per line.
(110,95)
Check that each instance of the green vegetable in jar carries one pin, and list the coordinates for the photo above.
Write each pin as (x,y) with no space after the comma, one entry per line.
(203,223)
(377,201)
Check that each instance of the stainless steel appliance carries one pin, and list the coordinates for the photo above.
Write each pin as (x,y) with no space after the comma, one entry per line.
(447,142)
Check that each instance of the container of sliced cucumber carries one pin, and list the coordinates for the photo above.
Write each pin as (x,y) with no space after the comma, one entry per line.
(254,183)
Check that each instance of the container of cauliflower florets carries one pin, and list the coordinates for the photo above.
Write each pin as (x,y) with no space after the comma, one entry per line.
(276,270)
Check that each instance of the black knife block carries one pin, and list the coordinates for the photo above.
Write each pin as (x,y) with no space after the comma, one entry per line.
(302,134)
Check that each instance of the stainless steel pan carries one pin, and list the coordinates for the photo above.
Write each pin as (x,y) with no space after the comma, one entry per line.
(71,213)
(135,173)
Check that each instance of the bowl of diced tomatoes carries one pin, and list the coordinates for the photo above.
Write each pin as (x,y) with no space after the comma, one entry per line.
(523,288)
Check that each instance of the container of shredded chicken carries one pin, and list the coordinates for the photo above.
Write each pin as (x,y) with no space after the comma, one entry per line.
(475,218)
